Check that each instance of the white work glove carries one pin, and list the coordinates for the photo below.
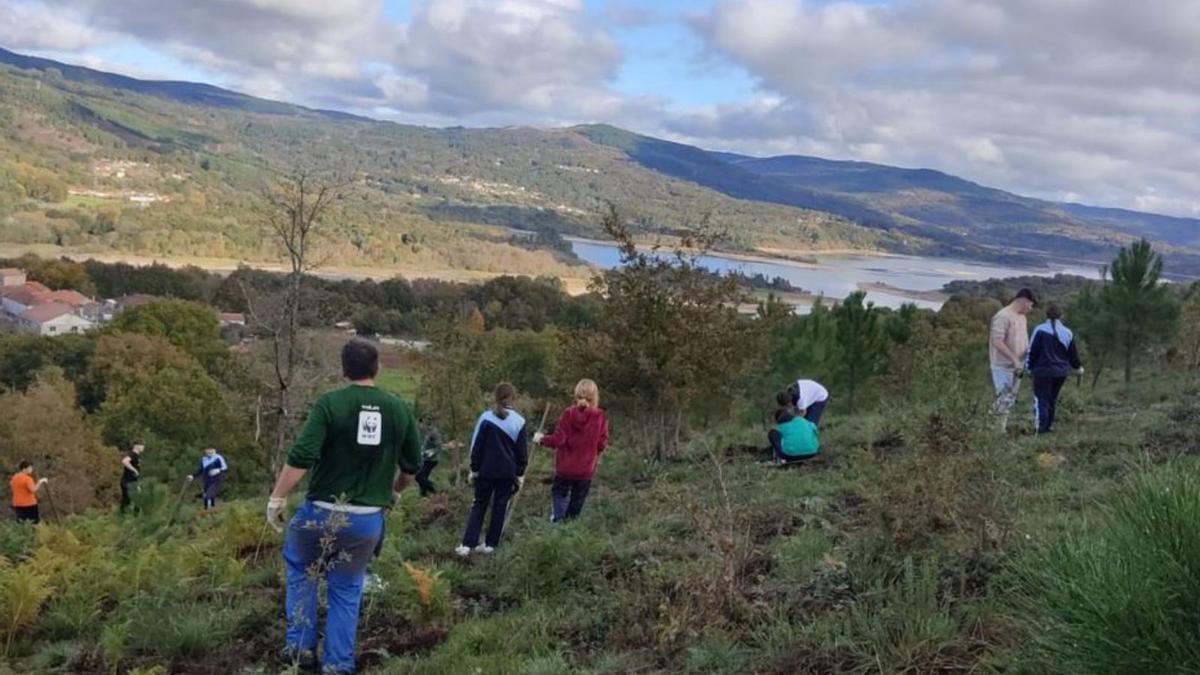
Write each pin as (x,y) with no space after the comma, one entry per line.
(471,477)
(43,481)
(275,507)
(1079,370)
(538,436)
(190,478)
(520,482)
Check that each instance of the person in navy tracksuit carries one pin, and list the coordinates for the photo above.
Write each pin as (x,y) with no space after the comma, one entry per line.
(212,470)
(1051,358)
(499,454)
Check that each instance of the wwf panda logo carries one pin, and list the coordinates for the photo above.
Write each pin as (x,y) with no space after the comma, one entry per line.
(370,427)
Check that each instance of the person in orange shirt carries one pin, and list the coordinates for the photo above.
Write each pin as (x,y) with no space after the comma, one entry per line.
(24,493)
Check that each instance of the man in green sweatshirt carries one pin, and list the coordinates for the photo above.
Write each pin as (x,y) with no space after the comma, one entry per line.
(359,448)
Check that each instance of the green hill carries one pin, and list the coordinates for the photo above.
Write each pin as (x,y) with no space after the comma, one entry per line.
(103,162)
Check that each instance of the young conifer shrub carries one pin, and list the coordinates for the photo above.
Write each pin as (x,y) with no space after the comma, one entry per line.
(1123,595)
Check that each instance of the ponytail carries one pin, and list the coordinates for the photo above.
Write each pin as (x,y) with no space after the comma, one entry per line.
(1054,314)
(505,394)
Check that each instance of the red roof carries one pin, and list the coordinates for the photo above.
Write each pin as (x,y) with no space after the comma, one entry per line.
(46,311)
(68,297)
(29,294)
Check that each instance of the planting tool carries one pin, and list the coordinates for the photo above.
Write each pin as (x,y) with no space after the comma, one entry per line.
(178,503)
(50,502)
(512,503)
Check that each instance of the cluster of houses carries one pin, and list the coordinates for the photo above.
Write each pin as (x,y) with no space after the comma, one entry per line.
(31,307)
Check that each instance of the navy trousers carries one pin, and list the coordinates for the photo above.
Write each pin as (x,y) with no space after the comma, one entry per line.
(1045,401)
(495,492)
(567,497)
(814,412)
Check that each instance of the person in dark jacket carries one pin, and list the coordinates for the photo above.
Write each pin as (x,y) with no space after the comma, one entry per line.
(1051,358)
(431,453)
(213,468)
(499,454)
(579,438)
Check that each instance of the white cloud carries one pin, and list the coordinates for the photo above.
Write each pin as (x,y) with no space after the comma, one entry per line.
(34,26)
(1046,98)
(534,55)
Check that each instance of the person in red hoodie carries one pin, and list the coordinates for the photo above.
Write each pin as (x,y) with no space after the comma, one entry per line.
(578,439)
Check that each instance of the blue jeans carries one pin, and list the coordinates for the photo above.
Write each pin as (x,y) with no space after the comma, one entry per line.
(1007,386)
(352,539)
(489,491)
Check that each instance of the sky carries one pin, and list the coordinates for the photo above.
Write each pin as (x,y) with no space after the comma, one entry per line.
(1096,101)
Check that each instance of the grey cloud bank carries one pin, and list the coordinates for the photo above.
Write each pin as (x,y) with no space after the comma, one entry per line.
(1093,101)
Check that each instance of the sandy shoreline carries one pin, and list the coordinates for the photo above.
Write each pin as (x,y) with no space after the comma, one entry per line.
(773,256)
(225,266)
(880,287)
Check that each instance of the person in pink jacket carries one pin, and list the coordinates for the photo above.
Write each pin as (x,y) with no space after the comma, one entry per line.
(578,439)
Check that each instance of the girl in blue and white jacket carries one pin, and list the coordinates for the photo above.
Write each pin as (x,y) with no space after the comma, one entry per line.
(1052,356)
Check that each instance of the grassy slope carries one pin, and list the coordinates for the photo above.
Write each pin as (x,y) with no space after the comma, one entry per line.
(656,577)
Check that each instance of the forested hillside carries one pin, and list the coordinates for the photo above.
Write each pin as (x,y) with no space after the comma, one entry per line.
(102,162)
(90,162)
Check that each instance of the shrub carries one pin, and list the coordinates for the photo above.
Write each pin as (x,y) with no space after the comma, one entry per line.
(551,561)
(797,555)
(1122,596)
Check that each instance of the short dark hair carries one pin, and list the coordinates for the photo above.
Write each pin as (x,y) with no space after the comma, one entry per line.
(360,360)
(785,414)
(1027,294)
(787,397)
(24,465)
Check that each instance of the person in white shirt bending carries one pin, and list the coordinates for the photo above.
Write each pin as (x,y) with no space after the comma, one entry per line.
(808,397)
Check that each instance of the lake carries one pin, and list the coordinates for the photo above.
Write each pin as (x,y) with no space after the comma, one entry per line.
(836,276)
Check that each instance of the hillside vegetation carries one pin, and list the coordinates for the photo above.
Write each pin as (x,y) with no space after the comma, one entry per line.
(922,540)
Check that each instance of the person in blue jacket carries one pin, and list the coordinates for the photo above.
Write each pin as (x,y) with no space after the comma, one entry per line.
(212,470)
(499,455)
(1051,358)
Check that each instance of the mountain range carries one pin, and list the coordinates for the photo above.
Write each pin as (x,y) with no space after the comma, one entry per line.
(99,161)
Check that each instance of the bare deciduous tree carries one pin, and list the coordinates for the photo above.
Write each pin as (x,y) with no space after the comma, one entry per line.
(294,209)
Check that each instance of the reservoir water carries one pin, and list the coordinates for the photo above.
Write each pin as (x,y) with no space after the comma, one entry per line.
(836,276)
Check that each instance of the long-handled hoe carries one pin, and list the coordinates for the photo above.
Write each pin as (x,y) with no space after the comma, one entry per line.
(50,503)
(178,503)
(512,503)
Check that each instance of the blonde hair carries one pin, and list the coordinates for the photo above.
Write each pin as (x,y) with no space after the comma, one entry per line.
(587,389)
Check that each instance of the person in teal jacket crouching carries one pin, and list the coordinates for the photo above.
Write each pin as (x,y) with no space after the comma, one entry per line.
(793,438)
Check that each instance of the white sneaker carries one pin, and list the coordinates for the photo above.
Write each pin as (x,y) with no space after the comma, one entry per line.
(462,551)
(484,548)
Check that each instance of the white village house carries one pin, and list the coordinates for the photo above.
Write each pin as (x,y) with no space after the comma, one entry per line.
(53,318)
(34,308)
